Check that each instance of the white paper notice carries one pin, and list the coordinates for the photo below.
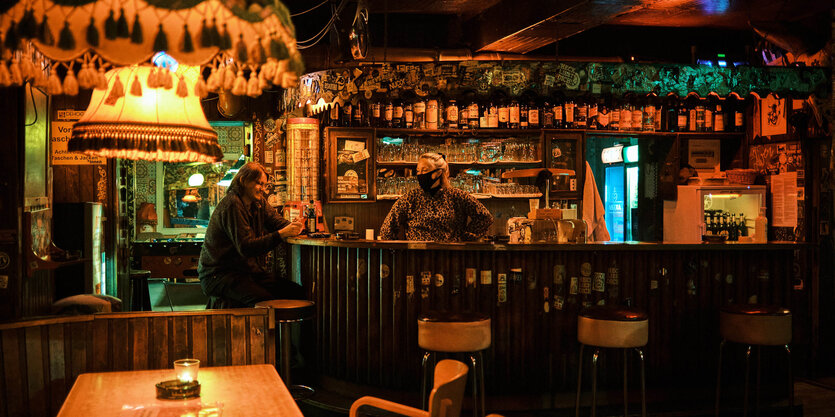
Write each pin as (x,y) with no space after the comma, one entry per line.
(268,156)
(784,200)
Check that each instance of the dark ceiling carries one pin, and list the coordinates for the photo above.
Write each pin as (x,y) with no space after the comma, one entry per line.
(668,30)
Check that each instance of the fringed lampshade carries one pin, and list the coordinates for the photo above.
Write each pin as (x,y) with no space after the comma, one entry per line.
(147,113)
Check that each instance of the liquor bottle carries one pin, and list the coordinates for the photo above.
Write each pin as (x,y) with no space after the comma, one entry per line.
(375,114)
(523,116)
(670,123)
(464,116)
(513,115)
(452,114)
(533,116)
(547,115)
(333,115)
(614,114)
(691,101)
(700,116)
(358,116)
(739,116)
(710,106)
(625,114)
(493,115)
(718,119)
(388,114)
(659,113)
(473,114)
(581,113)
(761,227)
(638,114)
(603,115)
(419,110)
(345,117)
(743,227)
(613,283)
(484,117)
(397,117)
(408,116)
(504,114)
(432,113)
(568,114)
(681,118)
(648,114)
(735,120)
(310,217)
(559,115)
(592,113)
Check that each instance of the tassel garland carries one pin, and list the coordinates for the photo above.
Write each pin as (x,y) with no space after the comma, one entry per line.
(268,69)
(257,53)
(252,86)
(188,45)
(110,31)
(122,26)
(161,41)
(214,35)
(136,34)
(84,79)
(279,72)
(205,35)
(53,84)
(28,27)
(239,87)
(278,50)
(92,33)
(66,40)
(182,90)
(225,39)
(44,34)
(228,79)
(136,87)
(70,85)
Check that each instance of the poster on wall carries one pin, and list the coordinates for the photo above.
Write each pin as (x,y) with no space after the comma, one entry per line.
(61,133)
(772,116)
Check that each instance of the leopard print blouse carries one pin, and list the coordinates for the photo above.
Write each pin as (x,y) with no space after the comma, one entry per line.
(439,218)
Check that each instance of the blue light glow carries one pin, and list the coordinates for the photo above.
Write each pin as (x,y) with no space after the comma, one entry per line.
(163,60)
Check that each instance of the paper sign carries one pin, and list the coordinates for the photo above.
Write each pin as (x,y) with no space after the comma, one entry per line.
(354,145)
(784,200)
(61,133)
(360,156)
(703,154)
(773,116)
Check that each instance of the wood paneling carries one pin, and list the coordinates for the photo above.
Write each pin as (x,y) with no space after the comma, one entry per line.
(40,359)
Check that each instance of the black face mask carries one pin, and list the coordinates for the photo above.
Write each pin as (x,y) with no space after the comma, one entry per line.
(426,181)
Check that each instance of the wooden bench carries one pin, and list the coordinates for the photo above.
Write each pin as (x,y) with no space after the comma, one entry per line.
(41,358)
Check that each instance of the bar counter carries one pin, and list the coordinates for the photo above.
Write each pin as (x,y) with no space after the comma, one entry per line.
(369,295)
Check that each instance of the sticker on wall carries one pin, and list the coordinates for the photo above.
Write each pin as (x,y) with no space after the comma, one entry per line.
(4,260)
(426,278)
(4,281)
(410,284)
(470,273)
(487,277)
(384,271)
(599,284)
(424,292)
(585,269)
(559,274)
(574,286)
(502,294)
(439,280)
(546,296)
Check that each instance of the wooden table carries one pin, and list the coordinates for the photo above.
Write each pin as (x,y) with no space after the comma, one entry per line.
(243,390)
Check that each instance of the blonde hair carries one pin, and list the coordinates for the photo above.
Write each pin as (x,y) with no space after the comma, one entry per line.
(437,160)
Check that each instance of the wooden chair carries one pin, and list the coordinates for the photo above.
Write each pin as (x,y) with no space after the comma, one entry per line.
(444,401)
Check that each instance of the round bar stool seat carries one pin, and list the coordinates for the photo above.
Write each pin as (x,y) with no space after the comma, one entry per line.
(456,333)
(611,327)
(754,325)
(285,312)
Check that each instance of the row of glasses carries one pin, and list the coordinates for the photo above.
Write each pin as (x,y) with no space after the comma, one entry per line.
(489,151)
(509,189)
(395,185)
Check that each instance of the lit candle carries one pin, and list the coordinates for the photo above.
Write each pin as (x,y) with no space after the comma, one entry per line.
(186,369)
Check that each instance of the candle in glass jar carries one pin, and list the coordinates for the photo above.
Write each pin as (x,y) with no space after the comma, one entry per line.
(186,369)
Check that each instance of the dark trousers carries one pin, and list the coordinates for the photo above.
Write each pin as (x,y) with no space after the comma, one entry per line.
(244,290)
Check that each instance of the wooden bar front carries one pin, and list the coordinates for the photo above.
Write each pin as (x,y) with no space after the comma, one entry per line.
(369,294)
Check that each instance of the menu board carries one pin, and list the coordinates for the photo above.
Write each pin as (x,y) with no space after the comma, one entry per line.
(784,200)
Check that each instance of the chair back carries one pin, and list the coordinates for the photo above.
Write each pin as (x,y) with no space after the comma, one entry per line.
(448,392)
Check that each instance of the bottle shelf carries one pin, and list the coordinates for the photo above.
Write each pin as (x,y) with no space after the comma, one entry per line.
(511,132)
(460,164)
(479,196)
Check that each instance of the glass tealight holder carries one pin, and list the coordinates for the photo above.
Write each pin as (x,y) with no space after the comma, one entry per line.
(186,369)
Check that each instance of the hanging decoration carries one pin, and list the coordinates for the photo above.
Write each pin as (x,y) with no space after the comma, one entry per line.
(93,35)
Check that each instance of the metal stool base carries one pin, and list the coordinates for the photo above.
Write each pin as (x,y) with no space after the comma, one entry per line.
(301,392)
(594,382)
(747,375)
(477,364)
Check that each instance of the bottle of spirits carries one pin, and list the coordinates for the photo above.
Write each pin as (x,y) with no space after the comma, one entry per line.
(718,119)
(419,109)
(310,217)
(333,115)
(581,113)
(614,113)
(358,116)
(569,113)
(593,109)
(513,115)
(603,116)
(375,114)
(523,116)
(473,114)
(345,117)
(388,114)
(533,116)
(649,115)
(397,116)
(408,116)
(432,113)
(547,115)
(452,114)
(504,114)
(559,115)
(492,115)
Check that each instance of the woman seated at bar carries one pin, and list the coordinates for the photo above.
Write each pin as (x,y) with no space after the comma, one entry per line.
(241,231)
(436,211)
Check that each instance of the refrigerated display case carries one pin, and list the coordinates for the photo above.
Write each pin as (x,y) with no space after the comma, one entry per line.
(684,218)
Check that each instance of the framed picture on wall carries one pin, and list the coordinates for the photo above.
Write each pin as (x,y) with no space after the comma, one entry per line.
(350,156)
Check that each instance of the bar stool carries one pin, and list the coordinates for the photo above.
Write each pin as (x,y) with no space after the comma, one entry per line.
(285,312)
(447,332)
(755,325)
(140,298)
(611,327)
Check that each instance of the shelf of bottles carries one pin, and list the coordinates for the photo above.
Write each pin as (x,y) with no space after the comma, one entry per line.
(629,113)
(724,225)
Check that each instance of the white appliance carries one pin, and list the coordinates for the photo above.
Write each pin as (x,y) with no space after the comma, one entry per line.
(684,218)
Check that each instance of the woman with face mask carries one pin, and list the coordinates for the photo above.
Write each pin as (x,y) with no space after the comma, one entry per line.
(436,211)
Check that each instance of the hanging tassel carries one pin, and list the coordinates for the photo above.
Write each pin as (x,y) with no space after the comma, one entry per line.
(136,87)
(257,53)
(85,81)
(205,35)
(239,87)
(225,39)
(117,92)
(213,83)
(279,72)
(44,34)
(278,50)
(70,83)
(122,30)
(92,33)
(188,45)
(167,80)
(5,76)
(240,50)
(252,88)
(66,40)
(201,89)
(182,90)
(101,79)
(110,28)
(136,34)
(16,73)
(263,84)
(12,41)
(39,79)
(268,69)
(27,68)
(28,27)
(214,35)
(228,78)
(53,84)
(161,41)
